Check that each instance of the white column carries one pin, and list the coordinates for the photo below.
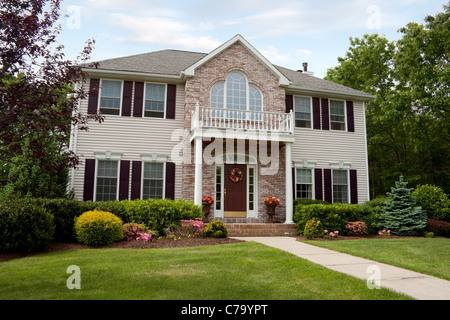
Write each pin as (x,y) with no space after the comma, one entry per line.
(198,171)
(289,191)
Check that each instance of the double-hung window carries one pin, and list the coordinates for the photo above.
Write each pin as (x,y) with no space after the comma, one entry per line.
(340,186)
(107,180)
(153,180)
(304,184)
(155,100)
(110,97)
(302,108)
(337,115)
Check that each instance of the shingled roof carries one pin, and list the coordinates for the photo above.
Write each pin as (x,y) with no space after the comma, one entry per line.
(175,62)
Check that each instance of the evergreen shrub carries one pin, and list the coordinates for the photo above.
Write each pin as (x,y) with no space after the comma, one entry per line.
(24,227)
(313,229)
(215,229)
(96,228)
(400,213)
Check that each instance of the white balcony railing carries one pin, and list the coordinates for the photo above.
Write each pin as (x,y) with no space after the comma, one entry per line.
(206,117)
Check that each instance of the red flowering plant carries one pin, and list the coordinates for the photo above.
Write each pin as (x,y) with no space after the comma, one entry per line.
(271,201)
(207,199)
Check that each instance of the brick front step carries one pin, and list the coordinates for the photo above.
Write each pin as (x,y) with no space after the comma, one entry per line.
(260,229)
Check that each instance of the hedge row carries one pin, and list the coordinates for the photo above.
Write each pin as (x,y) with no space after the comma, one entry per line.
(336,216)
(30,224)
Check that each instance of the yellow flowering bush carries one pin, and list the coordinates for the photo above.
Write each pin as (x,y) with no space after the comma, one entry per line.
(96,228)
(313,229)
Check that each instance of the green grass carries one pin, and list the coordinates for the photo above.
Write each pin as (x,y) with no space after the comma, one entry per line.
(241,271)
(426,255)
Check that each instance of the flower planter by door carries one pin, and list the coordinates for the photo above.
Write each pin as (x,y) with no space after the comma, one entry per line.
(271,211)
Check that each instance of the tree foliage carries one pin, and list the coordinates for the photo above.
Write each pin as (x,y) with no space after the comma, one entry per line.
(38,101)
(408,122)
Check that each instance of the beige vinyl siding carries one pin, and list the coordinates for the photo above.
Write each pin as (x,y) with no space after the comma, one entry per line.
(331,146)
(130,136)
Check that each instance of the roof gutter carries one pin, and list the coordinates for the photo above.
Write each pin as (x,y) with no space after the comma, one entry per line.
(133,75)
(331,93)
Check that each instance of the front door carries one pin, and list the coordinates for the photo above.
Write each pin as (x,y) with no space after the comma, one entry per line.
(235,191)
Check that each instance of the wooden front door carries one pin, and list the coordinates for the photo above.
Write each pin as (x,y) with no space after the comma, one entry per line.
(235,191)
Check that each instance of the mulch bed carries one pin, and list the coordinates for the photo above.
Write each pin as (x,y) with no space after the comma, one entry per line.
(135,244)
(170,243)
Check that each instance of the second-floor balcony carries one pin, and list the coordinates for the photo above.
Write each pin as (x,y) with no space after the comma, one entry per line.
(250,123)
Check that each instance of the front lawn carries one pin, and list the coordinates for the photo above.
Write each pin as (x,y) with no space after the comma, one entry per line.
(426,255)
(240,271)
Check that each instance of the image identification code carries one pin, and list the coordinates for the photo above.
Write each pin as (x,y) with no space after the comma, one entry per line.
(231,309)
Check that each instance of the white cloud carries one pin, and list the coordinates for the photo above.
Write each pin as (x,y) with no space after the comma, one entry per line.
(272,54)
(166,31)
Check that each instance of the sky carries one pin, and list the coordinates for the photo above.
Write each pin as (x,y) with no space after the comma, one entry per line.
(286,32)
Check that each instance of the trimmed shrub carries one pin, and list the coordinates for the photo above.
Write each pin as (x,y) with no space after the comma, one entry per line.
(135,231)
(356,228)
(434,201)
(25,227)
(159,214)
(313,229)
(439,227)
(215,229)
(185,228)
(96,228)
(332,217)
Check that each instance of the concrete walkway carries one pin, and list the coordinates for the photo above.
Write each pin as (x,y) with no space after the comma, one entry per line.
(414,284)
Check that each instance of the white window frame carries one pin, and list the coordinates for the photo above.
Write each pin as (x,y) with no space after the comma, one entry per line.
(107,156)
(248,84)
(306,164)
(165,100)
(153,158)
(345,115)
(100,97)
(310,112)
(347,170)
(252,213)
(218,213)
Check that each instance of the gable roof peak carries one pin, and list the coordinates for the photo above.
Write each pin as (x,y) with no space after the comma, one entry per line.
(190,71)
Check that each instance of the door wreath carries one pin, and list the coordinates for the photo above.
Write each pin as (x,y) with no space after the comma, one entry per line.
(236,175)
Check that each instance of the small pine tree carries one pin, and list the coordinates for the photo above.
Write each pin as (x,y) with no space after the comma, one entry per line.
(400,213)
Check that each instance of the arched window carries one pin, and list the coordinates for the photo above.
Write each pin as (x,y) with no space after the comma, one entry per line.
(236,94)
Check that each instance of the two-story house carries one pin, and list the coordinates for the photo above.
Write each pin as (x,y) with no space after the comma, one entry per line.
(227,124)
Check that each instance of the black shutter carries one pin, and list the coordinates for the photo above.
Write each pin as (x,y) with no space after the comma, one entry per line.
(328,187)
(316,113)
(171,101)
(127,92)
(318,187)
(94,87)
(353,187)
(350,117)
(138,99)
(89,177)
(170,181)
(124,179)
(136,180)
(325,115)
(289,103)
